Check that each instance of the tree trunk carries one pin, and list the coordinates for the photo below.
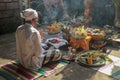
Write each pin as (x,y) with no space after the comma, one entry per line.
(88,4)
(116,20)
(26,2)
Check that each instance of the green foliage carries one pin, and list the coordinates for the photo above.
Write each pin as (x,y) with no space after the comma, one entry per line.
(116,1)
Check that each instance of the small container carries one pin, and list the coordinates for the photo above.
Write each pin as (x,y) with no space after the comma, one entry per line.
(69,50)
(74,50)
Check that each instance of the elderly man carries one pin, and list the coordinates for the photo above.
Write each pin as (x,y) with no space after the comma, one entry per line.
(28,44)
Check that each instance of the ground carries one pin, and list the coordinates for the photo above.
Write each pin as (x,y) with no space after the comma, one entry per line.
(73,71)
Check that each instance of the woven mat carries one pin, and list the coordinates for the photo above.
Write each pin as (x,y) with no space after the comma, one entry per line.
(111,69)
(14,71)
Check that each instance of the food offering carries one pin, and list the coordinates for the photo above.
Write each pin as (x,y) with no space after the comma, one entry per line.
(93,58)
(108,29)
(79,32)
(115,39)
(98,44)
(53,30)
(97,34)
(54,41)
(57,24)
(65,29)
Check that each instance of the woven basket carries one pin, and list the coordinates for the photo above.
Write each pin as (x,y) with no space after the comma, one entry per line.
(97,46)
(98,37)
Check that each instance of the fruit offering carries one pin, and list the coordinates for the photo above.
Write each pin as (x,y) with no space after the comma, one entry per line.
(79,32)
(57,24)
(97,34)
(93,58)
(52,28)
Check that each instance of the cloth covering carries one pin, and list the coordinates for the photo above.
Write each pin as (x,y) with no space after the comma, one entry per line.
(29,14)
(80,43)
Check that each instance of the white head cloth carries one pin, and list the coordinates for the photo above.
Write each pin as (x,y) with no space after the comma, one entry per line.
(29,14)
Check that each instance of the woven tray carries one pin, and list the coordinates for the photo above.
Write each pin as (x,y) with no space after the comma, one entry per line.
(98,37)
(53,32)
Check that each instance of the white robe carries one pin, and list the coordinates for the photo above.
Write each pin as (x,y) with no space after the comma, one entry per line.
(28,45)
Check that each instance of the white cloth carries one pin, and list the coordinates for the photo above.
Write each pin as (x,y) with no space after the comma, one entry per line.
(43,50)
(28,45)
(29,14)
(57,45)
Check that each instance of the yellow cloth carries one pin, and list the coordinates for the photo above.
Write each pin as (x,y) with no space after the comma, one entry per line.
(80,43)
